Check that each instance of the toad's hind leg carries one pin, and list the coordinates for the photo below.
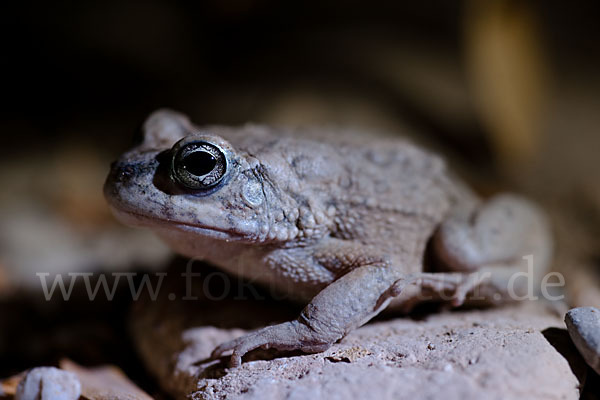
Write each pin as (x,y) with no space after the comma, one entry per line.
(492,241)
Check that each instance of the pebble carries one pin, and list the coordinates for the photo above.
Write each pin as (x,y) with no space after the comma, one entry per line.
(583,324)
(48,383)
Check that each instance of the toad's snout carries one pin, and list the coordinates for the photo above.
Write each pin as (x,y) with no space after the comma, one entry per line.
(127,181)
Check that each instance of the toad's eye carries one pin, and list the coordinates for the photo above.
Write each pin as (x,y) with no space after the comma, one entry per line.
(198,165)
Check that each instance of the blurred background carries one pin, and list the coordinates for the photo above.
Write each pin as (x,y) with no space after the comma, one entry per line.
(508,91)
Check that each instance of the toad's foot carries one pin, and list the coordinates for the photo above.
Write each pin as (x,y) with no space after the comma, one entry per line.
(292,335)
(311,333)
(343,305)
(450,287)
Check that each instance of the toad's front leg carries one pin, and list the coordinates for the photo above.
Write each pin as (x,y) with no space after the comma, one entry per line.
(346,303)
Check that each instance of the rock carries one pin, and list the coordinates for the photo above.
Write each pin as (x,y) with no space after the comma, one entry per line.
(583,324)
(104,383)
(494,354)
(48,383)
(71,382)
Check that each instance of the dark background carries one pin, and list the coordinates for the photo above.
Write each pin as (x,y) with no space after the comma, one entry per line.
(93,70)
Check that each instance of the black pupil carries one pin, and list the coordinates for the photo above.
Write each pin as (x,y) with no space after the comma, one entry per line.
(199,163)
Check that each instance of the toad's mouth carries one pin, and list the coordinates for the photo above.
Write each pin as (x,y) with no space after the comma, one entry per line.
(136,219)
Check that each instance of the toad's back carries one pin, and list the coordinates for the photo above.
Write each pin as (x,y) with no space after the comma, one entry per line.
(385,192)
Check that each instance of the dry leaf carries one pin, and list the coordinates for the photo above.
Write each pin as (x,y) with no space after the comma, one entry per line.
(104,383)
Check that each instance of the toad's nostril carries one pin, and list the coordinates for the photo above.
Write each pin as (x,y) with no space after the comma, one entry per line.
(122,172)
